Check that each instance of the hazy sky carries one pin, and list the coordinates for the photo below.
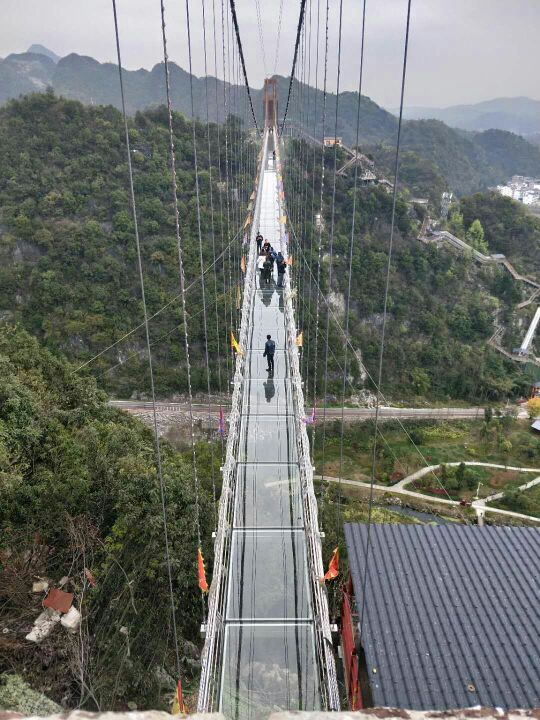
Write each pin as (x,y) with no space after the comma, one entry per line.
(460,50)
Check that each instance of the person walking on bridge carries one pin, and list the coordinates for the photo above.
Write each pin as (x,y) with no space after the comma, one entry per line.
(281,268)
(267,270)
(269,350)
(259,240)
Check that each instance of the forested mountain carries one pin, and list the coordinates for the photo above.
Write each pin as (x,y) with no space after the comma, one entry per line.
(517,115)
(471,162)
(441,305)
(68,265)
(509,228)
(468,161)
(79,497)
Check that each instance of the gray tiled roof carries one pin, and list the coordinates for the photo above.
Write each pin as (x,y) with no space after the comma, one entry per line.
(452,614)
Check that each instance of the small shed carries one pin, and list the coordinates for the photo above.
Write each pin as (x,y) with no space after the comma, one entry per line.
(450,617)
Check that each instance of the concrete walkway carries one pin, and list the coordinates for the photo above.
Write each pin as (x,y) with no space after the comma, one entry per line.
(479,506)
(473,463)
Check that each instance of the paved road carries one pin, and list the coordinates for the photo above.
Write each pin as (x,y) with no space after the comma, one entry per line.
(332,413)
(475,463)
(478,505)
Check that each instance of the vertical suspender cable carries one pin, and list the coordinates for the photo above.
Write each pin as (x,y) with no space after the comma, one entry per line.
(385,310)
(319,251)
(313,173)
(199,232)
(298,30)
(213,235)
(278,35)
(220,196)
(351,251)
(148,346)
(331,248)
(182,280)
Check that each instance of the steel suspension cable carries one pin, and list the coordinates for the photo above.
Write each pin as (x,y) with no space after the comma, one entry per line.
(220,193)
(305,176)
(226,75)
(148,347)
(319,251)
(385,314)
(278,35)
(331,248)
(199,233)
(211,194)
(261,36)
(241,51)
(298,31)
(182,281)
(369,376)
(313,173)
(351,252)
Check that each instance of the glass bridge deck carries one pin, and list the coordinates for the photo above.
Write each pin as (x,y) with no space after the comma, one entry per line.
(269,658)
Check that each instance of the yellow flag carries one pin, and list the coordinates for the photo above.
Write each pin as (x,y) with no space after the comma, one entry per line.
(283,219)
(300,340)
(235,346)
(248,221)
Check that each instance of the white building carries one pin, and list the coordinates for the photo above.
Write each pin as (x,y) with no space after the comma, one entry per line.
(523,189)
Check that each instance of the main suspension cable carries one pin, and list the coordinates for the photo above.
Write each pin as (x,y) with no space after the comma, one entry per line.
(241,51)
(148,346)
(297,42)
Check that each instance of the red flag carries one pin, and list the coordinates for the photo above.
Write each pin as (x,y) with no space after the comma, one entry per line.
(221,427)
(333,567)
(201,571)
(179,706)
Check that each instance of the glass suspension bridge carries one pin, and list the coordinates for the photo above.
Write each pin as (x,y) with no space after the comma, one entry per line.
(268,641)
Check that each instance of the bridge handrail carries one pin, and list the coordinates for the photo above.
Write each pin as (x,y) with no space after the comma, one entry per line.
(323,635)
(214,631)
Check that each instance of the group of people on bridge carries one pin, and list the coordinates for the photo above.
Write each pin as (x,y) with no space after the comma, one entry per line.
(267,256)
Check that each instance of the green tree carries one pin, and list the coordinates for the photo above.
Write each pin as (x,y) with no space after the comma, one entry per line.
(475,237)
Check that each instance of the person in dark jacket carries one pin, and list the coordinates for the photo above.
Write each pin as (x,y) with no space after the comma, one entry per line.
(269,350)
(267,270)
(281,268)
(259,240)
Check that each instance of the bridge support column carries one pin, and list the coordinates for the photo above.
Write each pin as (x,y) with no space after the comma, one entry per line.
(270,102)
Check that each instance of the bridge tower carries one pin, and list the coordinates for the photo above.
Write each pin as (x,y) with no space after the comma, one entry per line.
(270,103)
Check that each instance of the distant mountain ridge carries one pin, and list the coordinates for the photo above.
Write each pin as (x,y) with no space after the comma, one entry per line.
(42,50)
(462,161)
(520,115)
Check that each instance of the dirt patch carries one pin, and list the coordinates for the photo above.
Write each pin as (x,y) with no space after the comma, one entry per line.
(500,478)
(332,469)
